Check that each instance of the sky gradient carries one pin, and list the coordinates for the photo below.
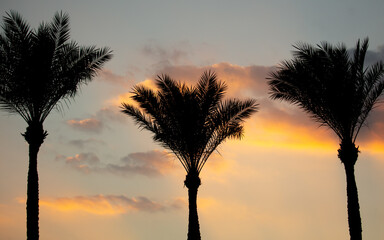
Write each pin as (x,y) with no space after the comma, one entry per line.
(103,178)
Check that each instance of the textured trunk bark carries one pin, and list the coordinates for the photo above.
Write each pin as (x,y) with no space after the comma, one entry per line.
(33,195)
(35,136)
(193,226)
(354,219)
(348,154)
(192,182)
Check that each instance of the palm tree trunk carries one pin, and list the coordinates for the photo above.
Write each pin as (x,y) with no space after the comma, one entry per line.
(33,195)
(348,154)
(193,226)
(354,219)
(192,182)
(35,136)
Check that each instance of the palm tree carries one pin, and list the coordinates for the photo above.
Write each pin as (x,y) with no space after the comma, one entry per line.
(191,122)
(338,91)
(39,69)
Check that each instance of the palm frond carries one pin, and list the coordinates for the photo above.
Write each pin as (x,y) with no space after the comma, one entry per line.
(210,91)
(16,29)
(140,118)
(59,28)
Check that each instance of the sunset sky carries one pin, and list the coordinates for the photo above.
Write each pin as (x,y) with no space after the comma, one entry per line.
(102,178)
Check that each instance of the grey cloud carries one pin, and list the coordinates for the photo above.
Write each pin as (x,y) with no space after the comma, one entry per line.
(81,143)
(83,162)
(153,163)
(174,54)
(99,121)
(166,56)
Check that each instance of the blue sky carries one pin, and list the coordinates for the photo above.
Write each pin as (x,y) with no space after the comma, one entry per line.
(102,178)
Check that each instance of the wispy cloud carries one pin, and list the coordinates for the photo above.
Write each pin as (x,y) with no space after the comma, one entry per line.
(108,76)
(82,143)
(88,124)
(84,162)
(110,204)
(153,163)
(111,112)
(164,56)
(100,121)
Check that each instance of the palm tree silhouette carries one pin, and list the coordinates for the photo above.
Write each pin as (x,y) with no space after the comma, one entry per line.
(191,122)
(39,69)
(338,91)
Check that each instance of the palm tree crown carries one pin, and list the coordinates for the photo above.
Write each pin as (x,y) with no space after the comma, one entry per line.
(336,89)
(190,121)
(41,67)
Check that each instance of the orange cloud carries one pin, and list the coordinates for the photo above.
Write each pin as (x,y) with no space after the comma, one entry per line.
(88,124)
(109,204)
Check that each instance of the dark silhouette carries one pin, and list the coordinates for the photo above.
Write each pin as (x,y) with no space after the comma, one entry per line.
(40,68)
(191,122)
(338,91)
